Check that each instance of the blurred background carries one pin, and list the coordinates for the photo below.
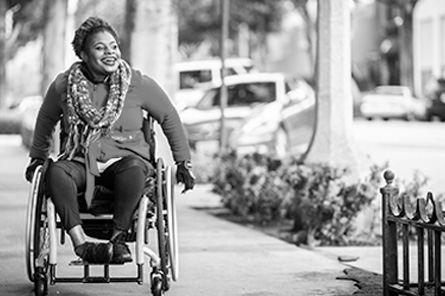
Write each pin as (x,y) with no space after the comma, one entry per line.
(269,54)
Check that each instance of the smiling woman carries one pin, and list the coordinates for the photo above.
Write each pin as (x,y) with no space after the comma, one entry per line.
(100,101)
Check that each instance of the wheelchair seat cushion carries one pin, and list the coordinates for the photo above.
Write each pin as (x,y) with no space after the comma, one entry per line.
(103,201)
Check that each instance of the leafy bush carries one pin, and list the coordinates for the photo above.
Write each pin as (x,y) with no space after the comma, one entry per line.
(315,197)
(325,205)
(253,188)
(410,192)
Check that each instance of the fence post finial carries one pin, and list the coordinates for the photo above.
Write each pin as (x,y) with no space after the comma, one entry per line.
(389,176)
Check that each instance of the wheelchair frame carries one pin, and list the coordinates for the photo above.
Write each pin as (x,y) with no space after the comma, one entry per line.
(41,237)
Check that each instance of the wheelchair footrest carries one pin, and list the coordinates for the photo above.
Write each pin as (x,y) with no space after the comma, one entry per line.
(80,262)
(76,262)
(88,278)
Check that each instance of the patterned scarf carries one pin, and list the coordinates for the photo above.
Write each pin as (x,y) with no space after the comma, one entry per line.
(86,123)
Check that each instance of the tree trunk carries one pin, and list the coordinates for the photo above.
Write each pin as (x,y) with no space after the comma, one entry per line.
(54,41)
(129,23)
(54,48)
(154,47)
(154,41)
(332,141)
(2,55)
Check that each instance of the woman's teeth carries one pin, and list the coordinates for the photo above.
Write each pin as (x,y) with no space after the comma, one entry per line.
(109,61)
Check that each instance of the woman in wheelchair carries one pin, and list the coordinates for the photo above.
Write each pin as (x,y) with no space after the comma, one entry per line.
(99,102)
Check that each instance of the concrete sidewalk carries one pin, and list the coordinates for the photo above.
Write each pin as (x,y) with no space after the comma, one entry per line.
(218,257)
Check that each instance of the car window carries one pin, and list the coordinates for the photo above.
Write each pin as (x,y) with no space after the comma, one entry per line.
(188,79)
(287,87)
(209,99)
(249,68)
(299,91)
(230,71)
(244,94)
(251,93)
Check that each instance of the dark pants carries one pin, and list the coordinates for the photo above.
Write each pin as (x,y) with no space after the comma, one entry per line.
(66,182)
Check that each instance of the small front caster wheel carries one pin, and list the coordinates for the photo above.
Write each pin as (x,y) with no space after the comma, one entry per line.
(157,288)
(40,282)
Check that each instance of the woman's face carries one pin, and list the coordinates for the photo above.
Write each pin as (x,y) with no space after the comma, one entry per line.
(102,54)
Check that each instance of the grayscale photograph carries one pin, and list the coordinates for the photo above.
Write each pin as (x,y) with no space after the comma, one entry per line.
(222,147)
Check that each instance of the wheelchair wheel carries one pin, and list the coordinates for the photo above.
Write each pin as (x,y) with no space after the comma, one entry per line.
(166,225)
(37,236)
(35,194)
(172,228)
(41,249)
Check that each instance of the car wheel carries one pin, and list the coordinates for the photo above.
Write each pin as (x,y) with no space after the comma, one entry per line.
(410,117)
(432,117)
(281,144)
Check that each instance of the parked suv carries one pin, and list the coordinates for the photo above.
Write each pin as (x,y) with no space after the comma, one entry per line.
(196,76)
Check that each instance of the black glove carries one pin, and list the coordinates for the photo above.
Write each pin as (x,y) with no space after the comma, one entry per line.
(185,175)
(33,164)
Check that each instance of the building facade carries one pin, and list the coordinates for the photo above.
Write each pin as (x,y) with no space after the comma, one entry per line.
(428,43)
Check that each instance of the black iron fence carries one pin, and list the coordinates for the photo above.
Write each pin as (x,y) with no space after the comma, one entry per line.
(412,232)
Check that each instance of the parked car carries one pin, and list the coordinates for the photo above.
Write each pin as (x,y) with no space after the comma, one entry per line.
(11,117)
(436,100)
(281,127)
(255,93)
(392,101)
(196,76)
(29,111)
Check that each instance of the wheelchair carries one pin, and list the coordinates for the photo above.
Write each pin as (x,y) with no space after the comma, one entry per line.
(156,213)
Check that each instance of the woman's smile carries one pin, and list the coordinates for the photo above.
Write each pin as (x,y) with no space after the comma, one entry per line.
(109,61)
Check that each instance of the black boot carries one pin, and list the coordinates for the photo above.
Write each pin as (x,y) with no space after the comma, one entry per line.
(95,253)
(121,252)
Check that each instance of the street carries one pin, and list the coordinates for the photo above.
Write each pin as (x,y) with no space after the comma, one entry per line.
(407,146)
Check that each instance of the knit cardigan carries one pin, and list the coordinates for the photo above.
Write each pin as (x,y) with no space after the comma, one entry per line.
(126,138)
